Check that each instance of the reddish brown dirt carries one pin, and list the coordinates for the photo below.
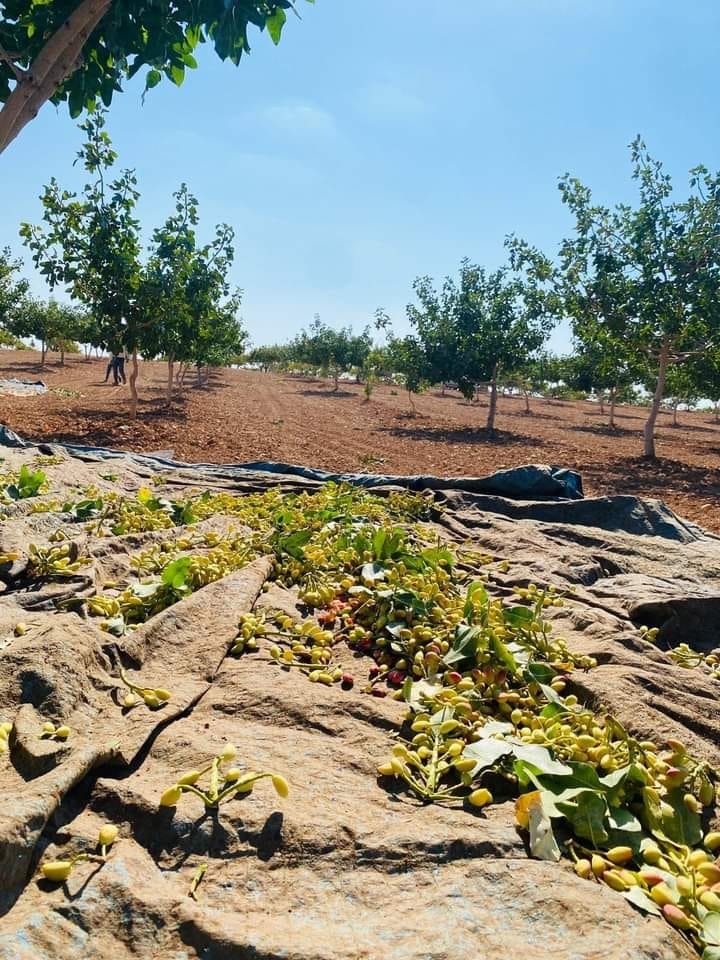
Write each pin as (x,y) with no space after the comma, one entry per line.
(246,415)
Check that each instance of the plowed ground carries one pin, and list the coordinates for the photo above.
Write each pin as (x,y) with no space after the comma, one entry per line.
(247,415)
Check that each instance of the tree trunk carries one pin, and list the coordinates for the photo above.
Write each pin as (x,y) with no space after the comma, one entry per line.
(43,351)
(649,430)
(675,416)
(199,375)
(442,389)
(613,396)
(336,379)
(62,356)
(171,371)
(492,406)
(412,404)
(717,411)
(133,386)
(526,394)
(601,397)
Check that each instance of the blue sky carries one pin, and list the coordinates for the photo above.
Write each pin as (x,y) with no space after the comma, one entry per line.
(384,139)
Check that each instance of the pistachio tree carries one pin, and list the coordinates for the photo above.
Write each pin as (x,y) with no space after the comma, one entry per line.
(56,326)
(330,350)
(490,321)
(12,289)
(646,276)
(80,52)
(89,244)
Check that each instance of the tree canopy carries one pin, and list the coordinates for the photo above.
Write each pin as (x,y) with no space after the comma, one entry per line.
(81,51)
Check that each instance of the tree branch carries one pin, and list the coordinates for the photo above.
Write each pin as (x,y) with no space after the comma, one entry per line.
(9,59)
(54,64)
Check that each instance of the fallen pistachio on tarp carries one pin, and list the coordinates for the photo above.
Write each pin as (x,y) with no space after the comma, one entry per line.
(223,783)
(57,871)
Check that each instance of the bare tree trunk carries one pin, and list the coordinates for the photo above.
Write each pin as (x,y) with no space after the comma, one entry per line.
(171,370)
(442,389)
(526,394)
(412,404)
(336,379)
(717,411)
(62,356)
(613,396)
(133,386)
(675,414)
(492,406)
(601,397)
(649,430)
(43,351)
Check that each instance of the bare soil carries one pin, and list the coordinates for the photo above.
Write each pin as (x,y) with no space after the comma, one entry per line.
(246,415)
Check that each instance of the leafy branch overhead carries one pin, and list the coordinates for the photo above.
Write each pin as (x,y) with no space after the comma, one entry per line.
(81,51)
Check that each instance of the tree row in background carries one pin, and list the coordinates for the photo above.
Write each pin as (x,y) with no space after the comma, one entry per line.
(639,286)
(176,303)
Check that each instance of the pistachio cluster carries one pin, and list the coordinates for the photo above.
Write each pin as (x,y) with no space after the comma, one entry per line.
(223,782)
(58,871)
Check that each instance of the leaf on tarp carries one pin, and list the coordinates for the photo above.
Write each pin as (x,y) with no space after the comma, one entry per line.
(503,654)
(372,572)
(176,574)
(586,814)
(539,758)
(485,753)
(619,818)
(540,672)
(494,728)
(292,543)
(518,617)
(416,692)
(463,646)
(531,816)
(669,819)
(476,596)
(440,716)
(640,899)
(711,929)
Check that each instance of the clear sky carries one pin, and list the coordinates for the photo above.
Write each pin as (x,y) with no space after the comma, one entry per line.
(383,139)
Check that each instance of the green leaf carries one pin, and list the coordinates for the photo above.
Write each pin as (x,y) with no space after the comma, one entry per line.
(640,899)
(476,596)
(464,645)
(518,617)
(486,753)
(669,819)
(711,929)
(175,574)
(292,543)
(417,692)
(540,673)
(619,818)
(539,758)
(274,23)
(503,654)
(586,814)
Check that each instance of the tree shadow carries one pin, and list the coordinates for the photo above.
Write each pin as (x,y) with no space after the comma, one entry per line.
(603,430)
(463,435)
(327,394)
(641,477)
